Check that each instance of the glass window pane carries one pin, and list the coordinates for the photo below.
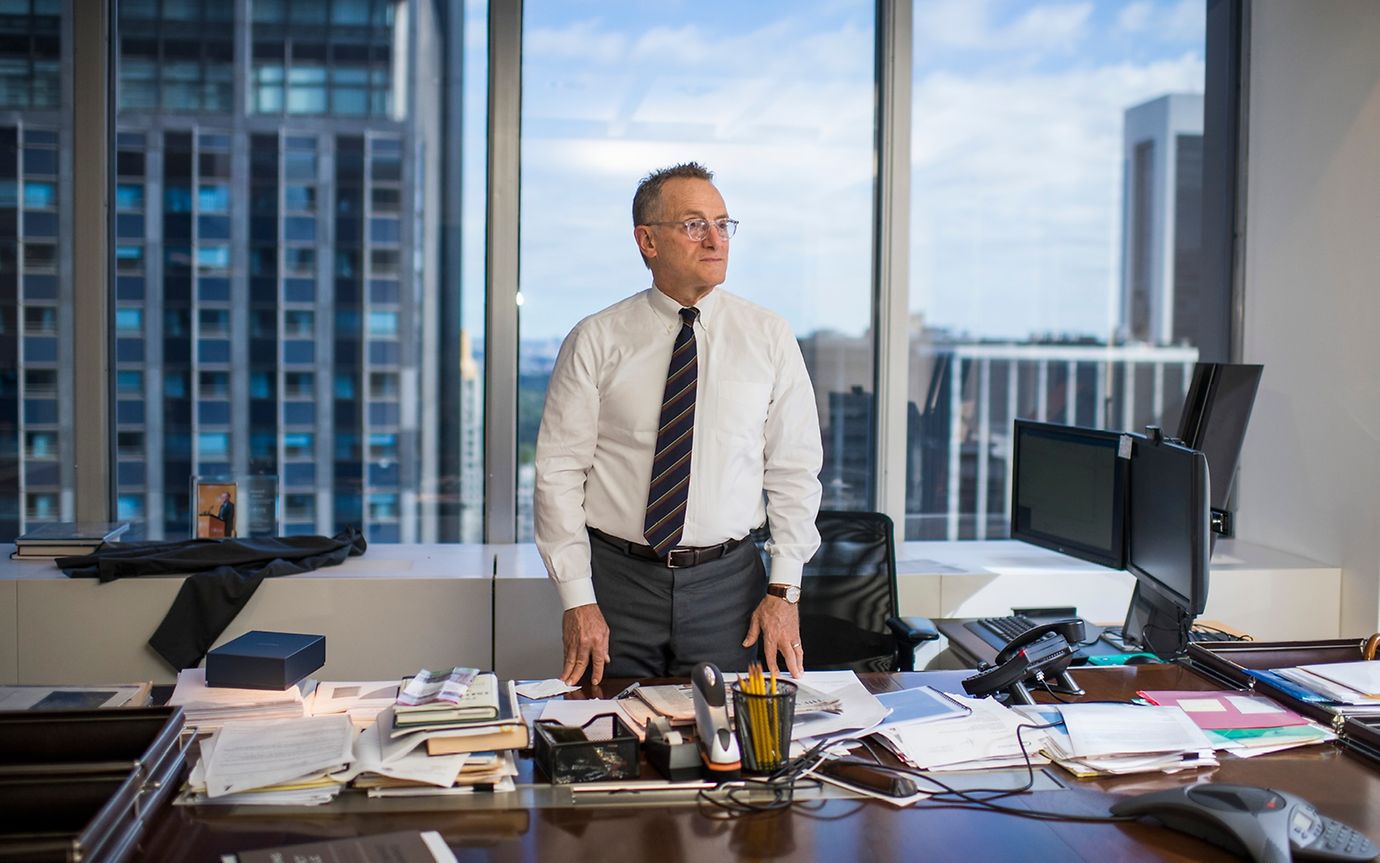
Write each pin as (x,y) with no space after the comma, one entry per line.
(646,101)
(1055,207)
(263,291)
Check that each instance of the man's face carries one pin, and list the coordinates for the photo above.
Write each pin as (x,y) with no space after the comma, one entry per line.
(679,263)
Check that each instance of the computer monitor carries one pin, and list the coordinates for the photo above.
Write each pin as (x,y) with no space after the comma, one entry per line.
(1216,411)
(1068,490)
(1167,545)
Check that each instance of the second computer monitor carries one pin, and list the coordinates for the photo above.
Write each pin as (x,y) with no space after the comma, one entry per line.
(1068,490)
(1168,544)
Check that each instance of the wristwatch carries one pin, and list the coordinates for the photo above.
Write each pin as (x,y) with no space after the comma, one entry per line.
(788,592)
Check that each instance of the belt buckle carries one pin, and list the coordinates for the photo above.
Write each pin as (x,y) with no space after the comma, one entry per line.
(688,554)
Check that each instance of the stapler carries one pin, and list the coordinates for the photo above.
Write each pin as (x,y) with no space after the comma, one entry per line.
(718,746)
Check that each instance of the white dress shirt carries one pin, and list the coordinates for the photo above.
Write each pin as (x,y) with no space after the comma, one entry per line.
(756,430)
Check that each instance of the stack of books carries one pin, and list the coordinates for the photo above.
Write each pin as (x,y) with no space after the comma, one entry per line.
(66,539)
(444,748)
(482,720)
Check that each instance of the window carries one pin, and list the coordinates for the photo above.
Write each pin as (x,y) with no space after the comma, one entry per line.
(383,324)
(214,385)
(129,382)
(129,320)
(1020,136)
(41,445)
(213,446)
(213,198)
(634,97)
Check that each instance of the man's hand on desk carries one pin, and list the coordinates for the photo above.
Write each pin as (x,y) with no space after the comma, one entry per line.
(585,636)
(778,622)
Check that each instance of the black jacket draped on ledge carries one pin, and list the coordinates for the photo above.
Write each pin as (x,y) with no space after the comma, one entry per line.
(222,575)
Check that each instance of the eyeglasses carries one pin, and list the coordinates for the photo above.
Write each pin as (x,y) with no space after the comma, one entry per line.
(698,229)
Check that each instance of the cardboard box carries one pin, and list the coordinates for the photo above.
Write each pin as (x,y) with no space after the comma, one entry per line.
(265,660)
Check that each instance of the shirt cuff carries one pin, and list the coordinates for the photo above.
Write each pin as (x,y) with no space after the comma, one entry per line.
(576,592)
(787,571)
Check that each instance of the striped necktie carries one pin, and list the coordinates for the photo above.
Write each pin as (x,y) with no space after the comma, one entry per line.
(670,487)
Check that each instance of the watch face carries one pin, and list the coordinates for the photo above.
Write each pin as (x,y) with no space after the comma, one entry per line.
(790,593)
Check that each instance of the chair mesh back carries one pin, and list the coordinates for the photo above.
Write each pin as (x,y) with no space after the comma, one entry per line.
(848,592)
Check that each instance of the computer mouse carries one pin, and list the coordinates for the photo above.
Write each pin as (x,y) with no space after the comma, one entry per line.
(1140,659)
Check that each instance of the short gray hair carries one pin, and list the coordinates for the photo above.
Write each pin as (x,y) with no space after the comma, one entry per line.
(648,194)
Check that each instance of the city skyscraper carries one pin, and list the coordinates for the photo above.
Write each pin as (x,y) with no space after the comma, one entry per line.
(280,306)
(1161,267)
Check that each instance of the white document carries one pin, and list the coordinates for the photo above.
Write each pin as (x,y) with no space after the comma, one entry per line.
(577,713)
(413,765)
(1247,704)
(859,709)
(245,756)
(988,733)
(544,688)
(1363,677)
(355,696)
(1120,729)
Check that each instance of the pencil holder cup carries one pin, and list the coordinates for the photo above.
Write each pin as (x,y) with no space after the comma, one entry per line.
(764,726)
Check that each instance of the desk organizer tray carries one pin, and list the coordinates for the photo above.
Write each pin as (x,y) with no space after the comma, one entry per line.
(1228,661)
(601,750)
(1361,734)
(79,785)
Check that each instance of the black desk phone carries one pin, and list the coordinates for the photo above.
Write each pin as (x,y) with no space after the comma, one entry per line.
(1043,654)
(1266,825)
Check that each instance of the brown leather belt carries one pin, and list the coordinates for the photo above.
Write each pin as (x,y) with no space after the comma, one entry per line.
(679,557)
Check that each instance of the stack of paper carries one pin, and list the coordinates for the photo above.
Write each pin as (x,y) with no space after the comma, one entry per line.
(391,761)
(1351,688)
(290,762)
(1242,723)
(1098,739)
(982,736)
(210,706)
(836,703)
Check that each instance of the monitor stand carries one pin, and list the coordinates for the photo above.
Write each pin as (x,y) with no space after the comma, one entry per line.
(1153,624)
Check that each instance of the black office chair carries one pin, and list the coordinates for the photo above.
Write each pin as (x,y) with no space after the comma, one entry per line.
(848,598)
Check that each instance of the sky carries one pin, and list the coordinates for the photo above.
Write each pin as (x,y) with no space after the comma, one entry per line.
(1016,151)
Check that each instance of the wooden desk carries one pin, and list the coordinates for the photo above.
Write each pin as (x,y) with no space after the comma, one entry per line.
(1339,784)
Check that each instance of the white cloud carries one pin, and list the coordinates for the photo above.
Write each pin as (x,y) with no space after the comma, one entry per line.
(1134,17)
(1016,173)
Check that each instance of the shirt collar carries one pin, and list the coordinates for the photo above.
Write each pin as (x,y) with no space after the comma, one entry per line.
(668,310)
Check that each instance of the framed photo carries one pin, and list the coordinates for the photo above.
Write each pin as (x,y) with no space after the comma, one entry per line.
(215,503)
(229,507)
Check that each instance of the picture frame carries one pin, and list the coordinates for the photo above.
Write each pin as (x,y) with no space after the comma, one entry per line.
(225,507)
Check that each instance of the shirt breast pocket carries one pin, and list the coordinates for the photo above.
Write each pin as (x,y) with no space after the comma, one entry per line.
(743,408)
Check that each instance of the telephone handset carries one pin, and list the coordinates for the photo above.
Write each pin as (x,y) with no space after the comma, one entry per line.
(1071,630)
(1042,652)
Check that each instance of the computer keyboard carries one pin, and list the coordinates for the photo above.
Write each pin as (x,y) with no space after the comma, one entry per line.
(998,631)
(1211,635)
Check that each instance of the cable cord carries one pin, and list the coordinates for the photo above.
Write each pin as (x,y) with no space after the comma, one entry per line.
(782,784)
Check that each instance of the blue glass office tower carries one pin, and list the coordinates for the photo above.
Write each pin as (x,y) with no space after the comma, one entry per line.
(279,303)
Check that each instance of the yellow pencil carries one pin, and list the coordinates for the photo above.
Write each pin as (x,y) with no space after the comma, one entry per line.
(775,720)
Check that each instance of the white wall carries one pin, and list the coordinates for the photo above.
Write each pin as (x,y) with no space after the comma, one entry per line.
(1310,476)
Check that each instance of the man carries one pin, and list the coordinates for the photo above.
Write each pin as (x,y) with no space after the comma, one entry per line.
(226,513)
(667,417)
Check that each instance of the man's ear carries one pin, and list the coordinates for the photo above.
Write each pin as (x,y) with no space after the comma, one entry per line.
(646,243)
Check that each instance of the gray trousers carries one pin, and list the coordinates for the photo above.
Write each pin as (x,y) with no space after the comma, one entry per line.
(662,622)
